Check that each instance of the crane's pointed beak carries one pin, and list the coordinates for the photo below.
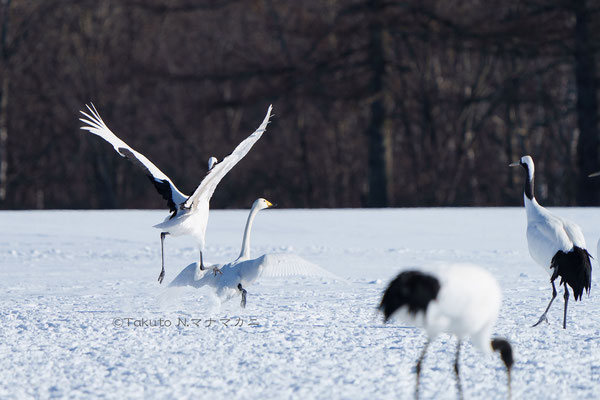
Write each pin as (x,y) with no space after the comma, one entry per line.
(270,205)
(594,174)
(515,164)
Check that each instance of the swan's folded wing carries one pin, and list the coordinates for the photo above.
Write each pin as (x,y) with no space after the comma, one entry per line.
(162,183)
(213,177)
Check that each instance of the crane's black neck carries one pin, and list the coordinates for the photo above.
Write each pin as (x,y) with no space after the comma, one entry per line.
(528,182)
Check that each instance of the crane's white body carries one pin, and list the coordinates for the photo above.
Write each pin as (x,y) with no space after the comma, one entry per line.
(467,305)
(547,234)
(190,213)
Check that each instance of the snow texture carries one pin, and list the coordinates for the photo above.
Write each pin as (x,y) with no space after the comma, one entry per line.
(68,277)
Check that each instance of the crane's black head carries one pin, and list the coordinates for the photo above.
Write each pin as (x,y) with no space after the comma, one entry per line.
(413,289)
(506,353)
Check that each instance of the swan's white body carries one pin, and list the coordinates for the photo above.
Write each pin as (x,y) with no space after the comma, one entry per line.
(189,213)
(247,272)
(244,270)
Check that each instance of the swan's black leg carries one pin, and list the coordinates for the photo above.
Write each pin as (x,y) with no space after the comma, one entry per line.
(243,302)
(543,317)
(202,267)
(161,276)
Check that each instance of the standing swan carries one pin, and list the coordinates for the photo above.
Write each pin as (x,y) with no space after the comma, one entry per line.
(189,213)
(237,275)
(556,244)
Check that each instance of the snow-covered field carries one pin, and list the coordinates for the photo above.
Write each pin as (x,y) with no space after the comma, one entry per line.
(68,277)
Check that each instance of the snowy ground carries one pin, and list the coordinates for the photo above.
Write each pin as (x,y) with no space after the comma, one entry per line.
(67,277)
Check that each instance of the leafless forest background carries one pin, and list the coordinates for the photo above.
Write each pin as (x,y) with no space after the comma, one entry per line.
(376,102)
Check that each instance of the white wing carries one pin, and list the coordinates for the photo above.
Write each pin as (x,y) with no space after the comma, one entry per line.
(574,232)
(546,237)
(208,185)
(162,182)
(192,275)
(279,265)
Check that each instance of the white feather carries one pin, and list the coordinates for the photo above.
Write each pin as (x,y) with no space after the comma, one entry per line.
(205,190)
(96,125)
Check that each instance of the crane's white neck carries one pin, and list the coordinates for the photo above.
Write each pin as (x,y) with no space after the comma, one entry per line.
(532,208)
(245,252)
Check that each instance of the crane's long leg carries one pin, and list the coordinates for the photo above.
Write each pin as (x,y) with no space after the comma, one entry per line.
(244,292)
(456,371)
(418,368)
(201,262)
(566,302)
(543,317)
(161,276)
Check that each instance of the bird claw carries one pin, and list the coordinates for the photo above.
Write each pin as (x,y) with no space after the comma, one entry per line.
(161,276)
(542,319)
(217,270)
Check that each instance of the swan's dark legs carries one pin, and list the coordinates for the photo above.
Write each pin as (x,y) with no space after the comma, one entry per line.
(161,276)
(543,317)
(456,371)
(566,302)
(201,262)
(418,368)
(243,302)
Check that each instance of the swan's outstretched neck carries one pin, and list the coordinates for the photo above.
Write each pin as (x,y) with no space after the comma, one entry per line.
(245,252)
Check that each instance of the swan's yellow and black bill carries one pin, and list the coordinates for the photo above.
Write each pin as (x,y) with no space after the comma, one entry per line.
(594,174)
(515,164)
(269,203)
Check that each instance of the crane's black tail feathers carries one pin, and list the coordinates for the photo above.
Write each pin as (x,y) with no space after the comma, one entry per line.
(574,268)
(413,289)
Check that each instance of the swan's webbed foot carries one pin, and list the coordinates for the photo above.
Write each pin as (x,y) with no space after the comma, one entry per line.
(217,271)
(244,292)
(161,276)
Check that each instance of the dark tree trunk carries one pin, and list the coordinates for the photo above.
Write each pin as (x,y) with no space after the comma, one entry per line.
(378,195)
(4,101)
(587,108)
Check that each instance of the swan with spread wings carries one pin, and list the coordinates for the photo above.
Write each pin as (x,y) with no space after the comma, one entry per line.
(237,275)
